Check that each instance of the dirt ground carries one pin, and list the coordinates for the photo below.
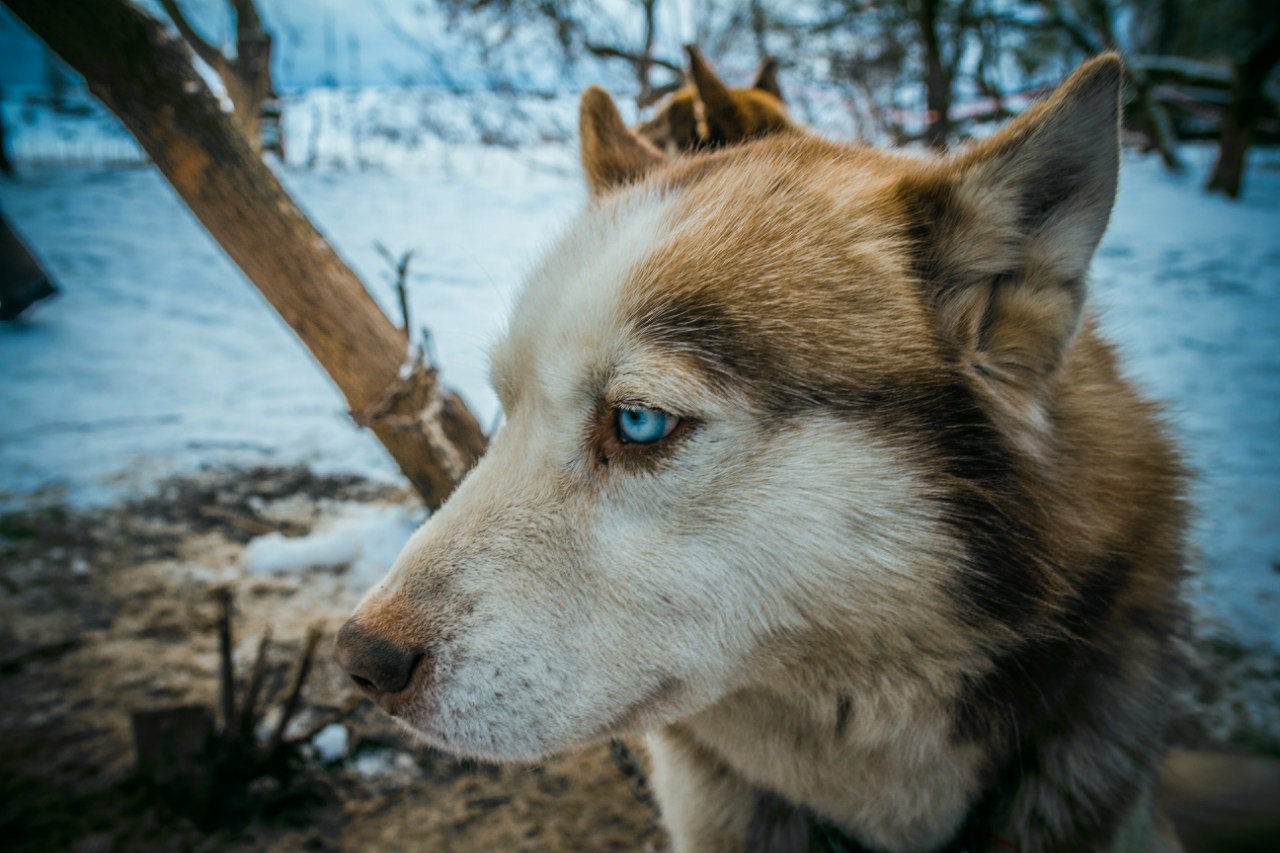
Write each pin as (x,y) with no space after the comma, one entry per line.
(108,612)
(112,611)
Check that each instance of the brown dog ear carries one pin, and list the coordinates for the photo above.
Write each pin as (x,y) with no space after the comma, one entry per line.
(611,154)
(1006,232)
(767,78)
(724,122)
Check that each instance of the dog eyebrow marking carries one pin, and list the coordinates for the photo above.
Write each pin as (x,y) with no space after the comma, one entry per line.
(844,706)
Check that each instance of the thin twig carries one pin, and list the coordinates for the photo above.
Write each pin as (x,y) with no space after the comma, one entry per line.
(400,278)
(227,674)
(253,690)
(295,691)
(336,717)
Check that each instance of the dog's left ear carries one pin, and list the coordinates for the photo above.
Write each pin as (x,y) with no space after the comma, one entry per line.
(767,78)
(612,155)
(724,121)
(1004,234)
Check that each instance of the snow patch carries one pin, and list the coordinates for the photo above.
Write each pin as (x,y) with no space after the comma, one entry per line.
(365,539)
(331,742)
(382,763)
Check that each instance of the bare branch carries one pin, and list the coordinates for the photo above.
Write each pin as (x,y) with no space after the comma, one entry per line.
(657,93)
(253,688)
(430,54)
(608,52)
(247,17)
(227,667)
(1189,72)
(212,57)
(344,711)
(295,690)
(1065,17)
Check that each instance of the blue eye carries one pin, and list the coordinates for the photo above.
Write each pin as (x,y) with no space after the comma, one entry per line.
(644,426)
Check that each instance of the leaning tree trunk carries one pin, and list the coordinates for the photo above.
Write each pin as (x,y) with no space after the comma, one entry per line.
(147,79)
(1246,106)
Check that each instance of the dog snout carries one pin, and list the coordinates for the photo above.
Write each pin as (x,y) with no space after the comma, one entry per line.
(378,665)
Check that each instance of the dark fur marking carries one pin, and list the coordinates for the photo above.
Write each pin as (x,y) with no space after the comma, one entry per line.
(930,214)
(1017,692)
(1098,810)
(1052,690)
(843,708)
(1002,576)
(1005,573)
(777,826)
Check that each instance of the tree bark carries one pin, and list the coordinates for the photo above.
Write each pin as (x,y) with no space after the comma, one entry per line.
(646,57)
(6,166)
(937,81)
(1247,103)
(247,75)
(147,79)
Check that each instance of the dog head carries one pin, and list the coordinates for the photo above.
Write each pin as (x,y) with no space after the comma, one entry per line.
(708,114)
(749,397)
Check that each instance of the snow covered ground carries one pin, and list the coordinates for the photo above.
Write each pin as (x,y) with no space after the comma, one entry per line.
(160,358)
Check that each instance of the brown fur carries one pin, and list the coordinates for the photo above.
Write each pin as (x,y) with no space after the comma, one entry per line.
(612,155)
(708,114)
(973,349)
(907,576)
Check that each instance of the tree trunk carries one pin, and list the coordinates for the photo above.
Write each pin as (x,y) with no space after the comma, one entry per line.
(1247,99)
(147,79)
(645,66)
(937,83)
(252,68)
(1155,118)
(6,166)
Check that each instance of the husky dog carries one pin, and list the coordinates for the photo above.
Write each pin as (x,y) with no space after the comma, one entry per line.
(708,114)
(817,471)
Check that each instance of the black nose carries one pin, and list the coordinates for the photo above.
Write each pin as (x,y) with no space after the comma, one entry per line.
(377,665)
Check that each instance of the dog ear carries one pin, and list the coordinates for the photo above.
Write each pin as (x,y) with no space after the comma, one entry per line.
(612,155)
(724,121)
(1004,234)
(767,78)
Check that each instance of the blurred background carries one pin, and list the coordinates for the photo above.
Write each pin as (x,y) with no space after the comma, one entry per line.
(178,475)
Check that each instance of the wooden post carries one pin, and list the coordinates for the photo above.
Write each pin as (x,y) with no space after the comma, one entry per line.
(146,77)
